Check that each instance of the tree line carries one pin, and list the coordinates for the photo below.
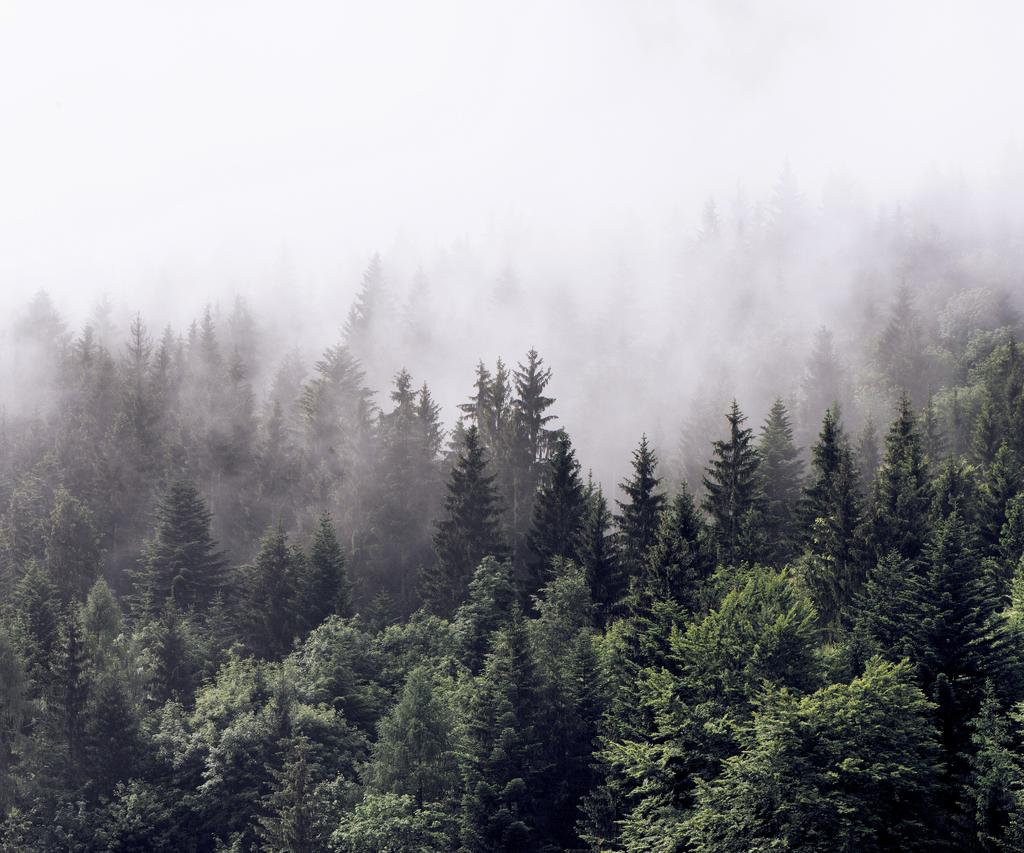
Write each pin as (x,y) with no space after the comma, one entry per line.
(308,623)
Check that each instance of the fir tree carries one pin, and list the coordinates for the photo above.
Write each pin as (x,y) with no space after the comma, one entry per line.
(558,511)
(323,585)
(501,807)
(902,494)
(598,554)
(72,547)
(270,587)
(181,560)
(469,531)
(679,562)
(291,824)
(639,516)
(781,470)
(734,499)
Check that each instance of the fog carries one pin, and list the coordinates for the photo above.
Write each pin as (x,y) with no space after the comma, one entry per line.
(170,157)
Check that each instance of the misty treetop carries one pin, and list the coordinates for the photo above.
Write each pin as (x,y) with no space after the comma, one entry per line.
(255,603)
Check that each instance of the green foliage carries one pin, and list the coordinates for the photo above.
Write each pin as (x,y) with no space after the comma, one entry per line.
(735,500)
(392,823)
(181,560)
(638,516)
(558,511)
(852,768)
(781,471)
(469,531)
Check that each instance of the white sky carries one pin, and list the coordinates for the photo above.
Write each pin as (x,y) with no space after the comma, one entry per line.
(145,142)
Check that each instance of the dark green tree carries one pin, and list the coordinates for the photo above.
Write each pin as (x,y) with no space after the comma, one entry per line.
(598,555)
(902,493)
(639,515)
(323,585)
(558,511)
(781,471)
(469,531)
(734,499)
(181,560)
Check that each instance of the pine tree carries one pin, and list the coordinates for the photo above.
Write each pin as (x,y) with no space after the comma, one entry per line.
(174,676)
(831,514)
(415,753)
(734,499)
(680,561)
(993,787)
(1002,481)
(492,594)
(72,547)
(469,531)
(781,470)
(37,622)
(291,824)
(823,380)
(70,697)
(558,511)
(639,516)
(501,807)
(180,560)
(963,638)
(323,585)
(598,554)
(270,587)
(902,494)
(869,457)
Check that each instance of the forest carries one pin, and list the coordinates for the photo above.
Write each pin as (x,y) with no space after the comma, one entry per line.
(250,604)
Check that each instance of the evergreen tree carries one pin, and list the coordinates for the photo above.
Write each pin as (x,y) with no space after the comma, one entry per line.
(323,585)
(638,517)
(492,593)
(734,499)
(469,531)
(558,511)
(831,515)
(270,587)
(291,824)
(852,767)
(38,625)
(902,493)
(598,554)
(781,470)
(993,791)
(415,753)
(680,561)
(501,809)
(1003,480)
(72,547)
(70,697)
(180,560)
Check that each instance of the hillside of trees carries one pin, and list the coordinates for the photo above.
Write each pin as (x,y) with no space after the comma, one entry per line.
(287,615)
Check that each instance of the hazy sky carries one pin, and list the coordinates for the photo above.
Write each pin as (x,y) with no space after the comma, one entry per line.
(182,144)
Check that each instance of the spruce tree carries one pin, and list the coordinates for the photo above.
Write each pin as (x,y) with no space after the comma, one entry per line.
(902,493)
(469,531)
(1002,480)
(598,554)
(558,512)
(291,823)
(734,499)
(269,590)
(639,516)
(492,594)
(680,561)
(323,584)
(502,806)
(781,470)
(831,514)
(181,560)
(72,547)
